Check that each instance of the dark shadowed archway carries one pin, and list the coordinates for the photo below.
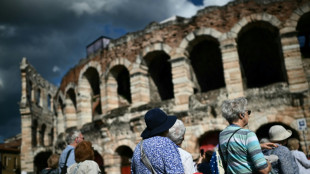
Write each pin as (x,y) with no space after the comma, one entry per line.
(260,54)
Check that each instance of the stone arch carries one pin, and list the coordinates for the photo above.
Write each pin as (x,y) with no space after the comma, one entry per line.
(233,33)
(124,142)
(292,22)
(156,58)
(89,93)
(124,153)
(206,62)
(119,61)
(157,47)
(40,159)
(93,64)
(263,130)
(299,21)
(197,33)
(117,83)
(261,56)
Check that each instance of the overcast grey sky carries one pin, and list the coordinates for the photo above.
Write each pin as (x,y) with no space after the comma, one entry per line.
(53,35)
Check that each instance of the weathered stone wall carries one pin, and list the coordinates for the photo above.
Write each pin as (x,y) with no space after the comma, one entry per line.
(89,96)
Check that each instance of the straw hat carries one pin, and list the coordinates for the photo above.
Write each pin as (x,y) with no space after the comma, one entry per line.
(279,133)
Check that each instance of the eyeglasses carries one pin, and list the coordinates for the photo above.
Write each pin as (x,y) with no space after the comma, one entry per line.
(249,112)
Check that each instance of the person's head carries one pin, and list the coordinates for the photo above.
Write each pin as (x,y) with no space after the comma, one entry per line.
(176,132)
(236,110)
(278,134)
(84,151)
(52,161)
(157,123)
(293,144)
(208,155)
(74,138)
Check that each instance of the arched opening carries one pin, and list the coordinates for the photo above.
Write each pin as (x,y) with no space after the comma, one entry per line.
(159,69)
(209,140)
(206,60)
(51,137)
(126,154)
(261,55)
(263,131)
(70,108)
(40,161)
(34,128)
(303,29)
(42,134)
(29,91)
(38,97)
(49,102)
(93,94)
(121,75)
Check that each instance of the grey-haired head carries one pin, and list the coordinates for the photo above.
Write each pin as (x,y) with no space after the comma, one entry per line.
(232,108)
(176,132)
(72,136)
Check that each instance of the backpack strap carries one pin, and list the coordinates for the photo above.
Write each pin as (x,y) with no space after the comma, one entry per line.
(145,160)
(221,153)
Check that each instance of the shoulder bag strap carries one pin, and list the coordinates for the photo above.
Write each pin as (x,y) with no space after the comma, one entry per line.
(221,153)
(145,160)
(50,171)
(68,154)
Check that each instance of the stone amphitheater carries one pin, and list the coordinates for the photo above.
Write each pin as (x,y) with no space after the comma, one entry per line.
(186,66)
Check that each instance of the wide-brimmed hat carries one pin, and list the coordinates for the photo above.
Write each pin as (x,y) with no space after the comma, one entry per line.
(279,133)
(157,121)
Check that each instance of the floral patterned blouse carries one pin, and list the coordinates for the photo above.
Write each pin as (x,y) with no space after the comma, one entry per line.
(163,155)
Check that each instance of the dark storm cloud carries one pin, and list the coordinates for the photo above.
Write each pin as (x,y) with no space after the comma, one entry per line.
(53,35)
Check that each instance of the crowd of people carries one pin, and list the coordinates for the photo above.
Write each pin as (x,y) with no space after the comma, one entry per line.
(160,151)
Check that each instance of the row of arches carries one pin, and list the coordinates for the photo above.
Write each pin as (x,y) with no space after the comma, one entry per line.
(41,136)
(261,62)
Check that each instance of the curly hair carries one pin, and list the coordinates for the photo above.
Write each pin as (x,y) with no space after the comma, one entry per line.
(84,151)
(176,132)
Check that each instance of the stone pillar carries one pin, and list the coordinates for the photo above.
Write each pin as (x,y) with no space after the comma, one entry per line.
(182,82)
(112,164)
(110,96)
(139,86)
(70,113)
(292,58)
(61,124)
(84,108)
(26,157)
(231,66)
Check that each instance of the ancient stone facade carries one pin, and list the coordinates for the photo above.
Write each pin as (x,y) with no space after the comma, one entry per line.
(187,67)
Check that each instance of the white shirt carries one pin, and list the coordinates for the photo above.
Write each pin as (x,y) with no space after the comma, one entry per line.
(302,161)
(87,166)
(187,161)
